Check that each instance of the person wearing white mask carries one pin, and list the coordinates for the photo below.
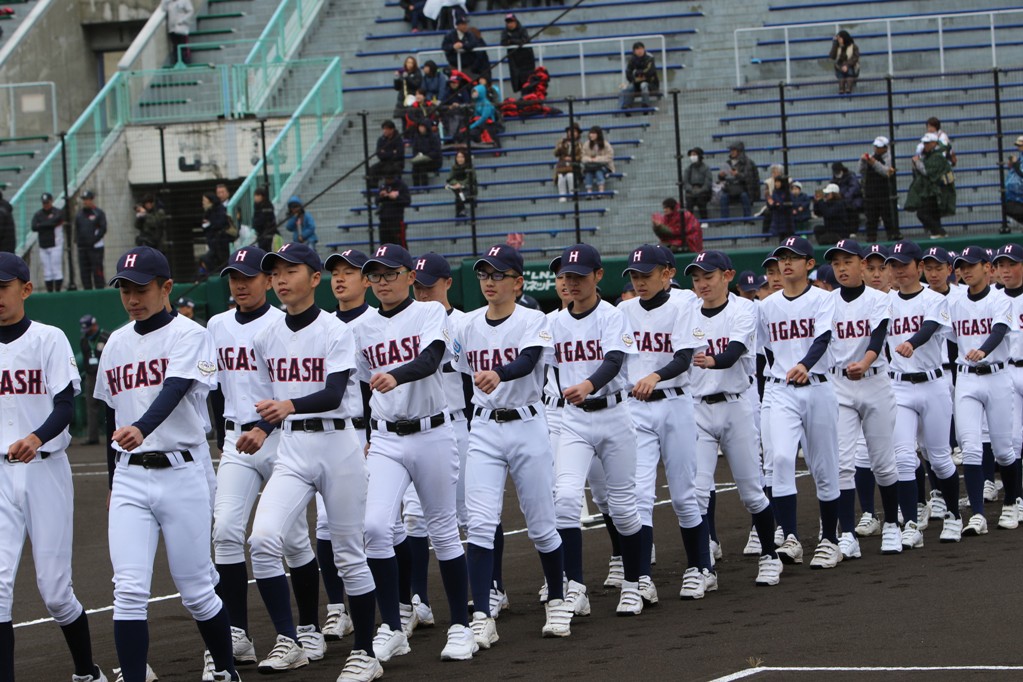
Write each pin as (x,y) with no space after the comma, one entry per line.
(698,183)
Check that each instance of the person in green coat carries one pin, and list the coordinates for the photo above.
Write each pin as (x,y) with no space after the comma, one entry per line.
(932,194)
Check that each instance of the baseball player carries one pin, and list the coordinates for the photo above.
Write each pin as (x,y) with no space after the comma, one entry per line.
(725,325)
(155,375)
(249,456)
(309,359)
(402,346)
(662,413)
(876,274)
(38,380)
(980,322)
(591,340)
(1009,264)
(796,324)
(916,344)
(502,347)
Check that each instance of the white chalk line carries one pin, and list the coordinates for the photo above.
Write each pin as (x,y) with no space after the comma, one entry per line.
(750,672)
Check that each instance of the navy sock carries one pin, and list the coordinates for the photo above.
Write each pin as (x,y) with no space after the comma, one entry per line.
(481,570)
(216,633)
(646,538)
(890,502)
(131,639)
(973,475)
(691,544)
(305,581)
(233,590)
(921,484)
(612,532)
(499,556)
(907,500)
(712,506)
(988,462)
(277,598)
(553,564)
(949,488)
(455,577)
(333,585)
(931,476)
(79,642)
(572,545)
(829,520)
(363,610)
(763,521)
(1010,479)
(7,651)
(769,491)
(632,548)
(385,575)
(847,509)
(404,556)
(785,513)
(864,479)
(419,548)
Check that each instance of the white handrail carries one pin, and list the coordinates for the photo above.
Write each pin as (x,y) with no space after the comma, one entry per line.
(540,46)
(34,16)
(916,19)
(152,27)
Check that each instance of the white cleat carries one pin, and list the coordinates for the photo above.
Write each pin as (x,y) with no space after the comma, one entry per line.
(891,538)
(150,675)
(313,642)
(577,598)
(957,456)
(791,551)
(484,629)
(827,555)
(424,613)
(559,619)
(752,547)
(615,572)
(242,647)
(769,570)
(923,515)
(951,529)
(647,590)
(208,667)
(338,624)
(779,536)
(1009,518)
(912,538)
(977,525)
(498,601)
(710,581)
(387,643)
(461,644)
(990,491)
(98,676)
(286,655)
(653,555)
(409,619)
(715,550)
(631,602)
(849,546)
(868,526)
(938,506)
(360,667)
(1019,508)
(224,676)
(693,584)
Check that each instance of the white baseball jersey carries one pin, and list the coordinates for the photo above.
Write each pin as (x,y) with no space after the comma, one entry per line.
(480,346)
(133,368)
(789,327)
(453,380)
(580,345)
(551,389)
(386,343)
(352,405)
(1015,336)
(658,335)
(908,316)
(737,322)
(854,322)
(972,322)
(298,363)
(243,380)
(33,368)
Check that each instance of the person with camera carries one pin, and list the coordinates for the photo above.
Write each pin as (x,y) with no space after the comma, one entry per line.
(878,175)
(150,223)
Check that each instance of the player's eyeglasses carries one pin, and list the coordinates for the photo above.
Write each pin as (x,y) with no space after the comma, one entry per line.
(389,276)
(790,258)
(495,276)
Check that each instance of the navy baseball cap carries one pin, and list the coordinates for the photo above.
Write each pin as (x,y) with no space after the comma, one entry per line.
(971,255)
(391,256)
(578,259)
(185,303)
(907,251)
(850,246)
(770,259)
(353,257)
(502,258)
(430,268)
(797,245)
(670,255)
(627,287)
(247,260)
(937,253)
(751,281)
(873,250)
(13,267)
(141,266)
(645,259)
(293,252)
(709,261)
(1013,252)
(86,321)
(825,273)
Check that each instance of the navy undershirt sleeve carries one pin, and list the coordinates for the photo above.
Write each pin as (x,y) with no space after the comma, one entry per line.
(327,398)
(817,350)
(520,366)
(998,333)
(877,338)
(174,389)
(608,369)
(679,363)
(423,366)
(924,335)
(733,351)
(60,417)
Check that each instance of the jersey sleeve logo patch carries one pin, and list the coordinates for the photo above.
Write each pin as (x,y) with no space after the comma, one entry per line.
(627,339)
(944,315)
(698,333)
(73,363)
(457,347)
(546,335)
(206,368)
(447,337)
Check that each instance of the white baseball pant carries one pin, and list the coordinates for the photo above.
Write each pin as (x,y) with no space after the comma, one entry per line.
(666,430)
(866,410)
(1016,375)
(977,396)
(809,412)
(726,424)
(322,530)
(412,508)
(923,416)
(52,258)
(765,434)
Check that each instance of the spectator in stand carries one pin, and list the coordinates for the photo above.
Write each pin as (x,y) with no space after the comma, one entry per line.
(779,206)
(462,182)
(845,54)
(673,225)
(150,224)
(521,60)
(829,205)
(426,154)
(641,74)
(224,194)
(933,125)
(879,194)
(301,223)
(598,161)
(849,185)
(48,223)
(390,154)
(214,229)
(1014,184)
(454,111)
(932,193)
(421,111)
(740,179)
(392,199)
(179,16)
(8,231)
(434,83)
(802,208)
(407,81)
(485,125)
(264,220)
(90,228)
(697,182)
(460,47)
(414,15)
(774,171)
(568,163)
(445,13)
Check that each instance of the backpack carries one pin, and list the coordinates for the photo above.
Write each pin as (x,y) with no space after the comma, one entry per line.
(231,231)
(692,232)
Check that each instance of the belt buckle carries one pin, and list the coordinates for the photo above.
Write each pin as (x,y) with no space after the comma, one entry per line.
(501,416)
(405,427)
(918,378)
(587,406)
(307,426)
(150,460)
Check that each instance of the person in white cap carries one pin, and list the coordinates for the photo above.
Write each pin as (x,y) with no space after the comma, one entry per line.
(1014,185)
(932,194)
(879,192)
(829,205)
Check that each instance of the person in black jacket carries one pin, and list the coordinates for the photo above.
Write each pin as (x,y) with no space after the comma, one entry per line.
(461,45)
(521,61)
(264,219)
(641,74)
(48,223)
(426,154)
(830,206)
(392,199)
(90,228)
(8,231)
(407,81)
(390,155)
(214,229)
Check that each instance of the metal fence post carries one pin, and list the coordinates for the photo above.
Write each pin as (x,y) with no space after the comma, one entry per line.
(68,231)
(369,195)
(575,180)
(784,128)
(163,156)
(893,185)
(1004,229)
(472,199)
(266,169)
(678,148)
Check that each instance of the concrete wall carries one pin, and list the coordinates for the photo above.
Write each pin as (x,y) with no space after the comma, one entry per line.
(106,11)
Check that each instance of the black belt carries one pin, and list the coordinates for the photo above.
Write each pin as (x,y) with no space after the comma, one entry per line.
(719,397)
(981,370)
(1016,363)
(502,415)
(870,371)
(915,377)
(814,378)
(318,425)
(549,401)
(602,403)
(948,366)
(39,455)
(230,425)
(406,427)
(155,460)
(661,394)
